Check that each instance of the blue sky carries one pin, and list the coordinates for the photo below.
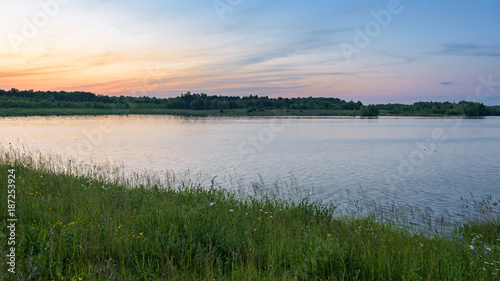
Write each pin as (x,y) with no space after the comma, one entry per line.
(427,50)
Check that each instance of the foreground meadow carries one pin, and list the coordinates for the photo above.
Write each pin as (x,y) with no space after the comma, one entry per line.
(84,223)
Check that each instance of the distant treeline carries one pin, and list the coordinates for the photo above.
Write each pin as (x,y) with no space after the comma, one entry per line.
(50,99)
(440,108)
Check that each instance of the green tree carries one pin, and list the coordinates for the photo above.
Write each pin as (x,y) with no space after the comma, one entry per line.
(370,110)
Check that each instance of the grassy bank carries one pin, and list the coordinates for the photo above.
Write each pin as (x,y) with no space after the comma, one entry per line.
(163,111)
(189,112)
(96,111)
(77,223)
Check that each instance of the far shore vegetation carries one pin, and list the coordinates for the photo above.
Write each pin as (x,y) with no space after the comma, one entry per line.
(16,102)
(88,222)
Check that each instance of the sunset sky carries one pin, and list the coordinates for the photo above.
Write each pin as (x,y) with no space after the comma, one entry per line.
(372,51)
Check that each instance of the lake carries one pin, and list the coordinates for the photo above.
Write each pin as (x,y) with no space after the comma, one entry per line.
(425,162)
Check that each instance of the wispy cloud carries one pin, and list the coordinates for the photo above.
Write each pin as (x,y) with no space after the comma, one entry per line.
(471,50)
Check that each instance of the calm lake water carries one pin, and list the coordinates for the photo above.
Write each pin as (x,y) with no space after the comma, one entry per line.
(426,162)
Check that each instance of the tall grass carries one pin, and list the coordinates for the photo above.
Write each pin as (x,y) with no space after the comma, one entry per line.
(76,222)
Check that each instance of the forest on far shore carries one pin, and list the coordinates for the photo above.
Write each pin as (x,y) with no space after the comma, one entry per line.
(29,99)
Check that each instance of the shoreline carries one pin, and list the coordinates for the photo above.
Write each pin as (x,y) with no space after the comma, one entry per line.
(208,113)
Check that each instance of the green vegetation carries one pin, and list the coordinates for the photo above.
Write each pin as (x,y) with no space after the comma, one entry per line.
(371,110)
(78,223)
(21,103)
(188,103)
(166,111)
(440,109)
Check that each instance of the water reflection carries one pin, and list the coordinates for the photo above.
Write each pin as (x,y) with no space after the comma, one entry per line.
(444,158)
